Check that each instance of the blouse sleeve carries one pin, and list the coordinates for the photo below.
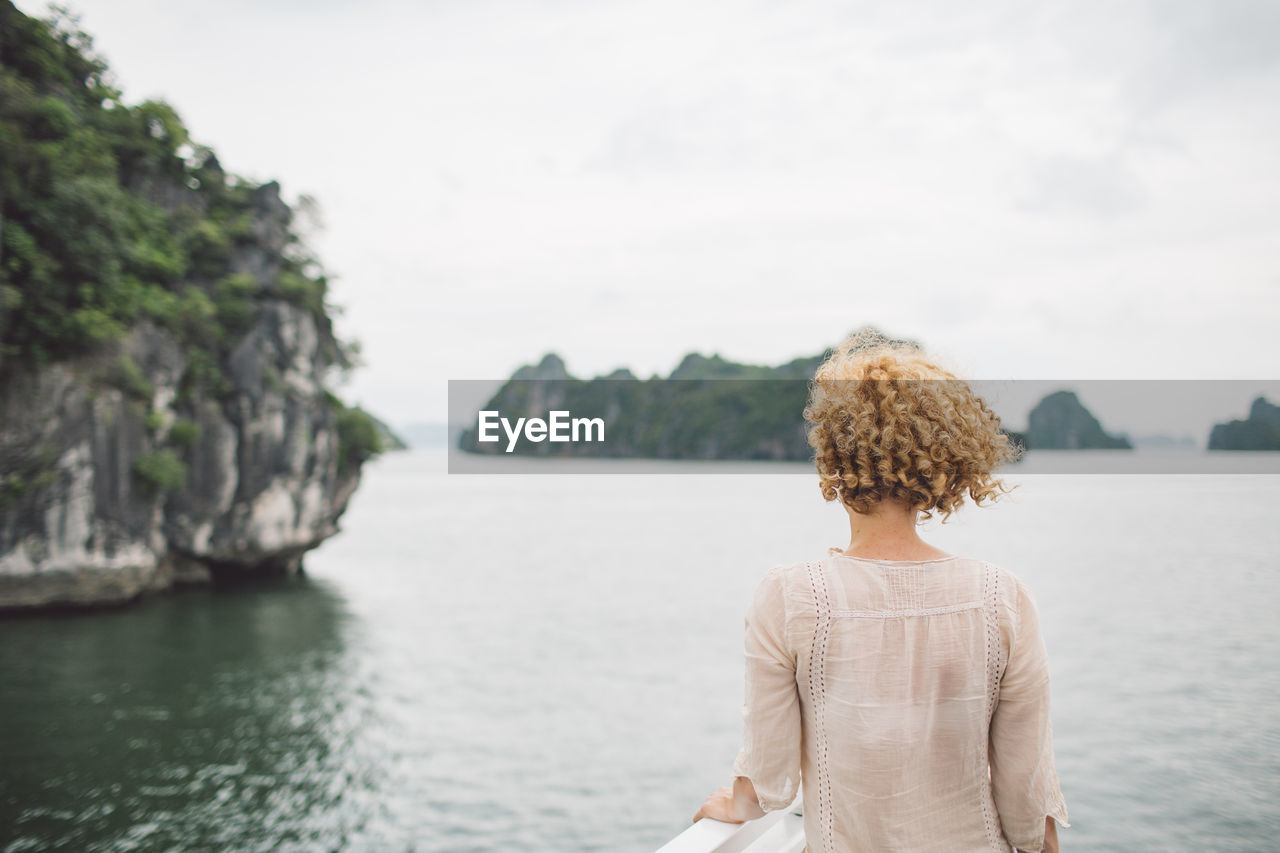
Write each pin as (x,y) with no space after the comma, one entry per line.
(1024,782)
(770,755)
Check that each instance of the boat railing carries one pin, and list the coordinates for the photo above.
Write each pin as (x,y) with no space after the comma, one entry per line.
(780,831)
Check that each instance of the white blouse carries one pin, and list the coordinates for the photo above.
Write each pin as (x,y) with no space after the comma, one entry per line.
(911,696)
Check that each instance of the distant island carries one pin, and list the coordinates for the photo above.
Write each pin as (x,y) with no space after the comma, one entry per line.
(1061,422)
(1259,431)
(1164,441)
(713,408)
(703,410)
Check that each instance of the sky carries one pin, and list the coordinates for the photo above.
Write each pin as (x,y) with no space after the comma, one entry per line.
(1050,190)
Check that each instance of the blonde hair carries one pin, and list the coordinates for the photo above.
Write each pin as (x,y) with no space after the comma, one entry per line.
(889,423)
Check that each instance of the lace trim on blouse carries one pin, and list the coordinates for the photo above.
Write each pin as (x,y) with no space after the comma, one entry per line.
(817,694)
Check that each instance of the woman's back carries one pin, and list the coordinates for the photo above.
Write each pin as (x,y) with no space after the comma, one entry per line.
(913,694)
(911,679)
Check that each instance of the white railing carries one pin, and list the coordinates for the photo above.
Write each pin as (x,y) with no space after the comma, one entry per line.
(780,831)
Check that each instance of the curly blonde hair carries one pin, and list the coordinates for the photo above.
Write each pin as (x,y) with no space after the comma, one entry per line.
(888,422)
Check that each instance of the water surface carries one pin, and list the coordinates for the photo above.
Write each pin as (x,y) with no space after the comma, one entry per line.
(498,663)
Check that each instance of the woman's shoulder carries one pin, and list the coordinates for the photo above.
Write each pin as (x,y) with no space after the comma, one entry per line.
(789,582)
(1010,590)
(784,597)
(791,576)
(779,577)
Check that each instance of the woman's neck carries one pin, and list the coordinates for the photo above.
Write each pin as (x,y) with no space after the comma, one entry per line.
(888,533)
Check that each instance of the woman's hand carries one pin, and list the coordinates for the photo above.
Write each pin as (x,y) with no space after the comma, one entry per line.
(738,804)
(719,806)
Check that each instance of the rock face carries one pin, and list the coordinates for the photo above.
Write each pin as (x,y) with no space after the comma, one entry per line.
(164,347)
(1061,422)
(91,509)
(1260,431)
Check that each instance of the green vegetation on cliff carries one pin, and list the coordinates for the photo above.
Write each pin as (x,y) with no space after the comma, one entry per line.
(110,213)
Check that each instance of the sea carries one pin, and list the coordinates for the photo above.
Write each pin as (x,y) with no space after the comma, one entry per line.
(517,662)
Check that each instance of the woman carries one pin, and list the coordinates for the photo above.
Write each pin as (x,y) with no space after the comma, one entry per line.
(907,686)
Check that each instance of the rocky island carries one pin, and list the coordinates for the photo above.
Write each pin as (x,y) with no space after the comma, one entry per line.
(1259,431)
(165,348)
(1061,422)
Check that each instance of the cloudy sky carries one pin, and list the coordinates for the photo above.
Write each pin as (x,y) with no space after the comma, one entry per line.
(1033,190)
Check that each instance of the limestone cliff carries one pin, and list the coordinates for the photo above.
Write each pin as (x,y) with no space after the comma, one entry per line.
(87,515)
(165,343)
